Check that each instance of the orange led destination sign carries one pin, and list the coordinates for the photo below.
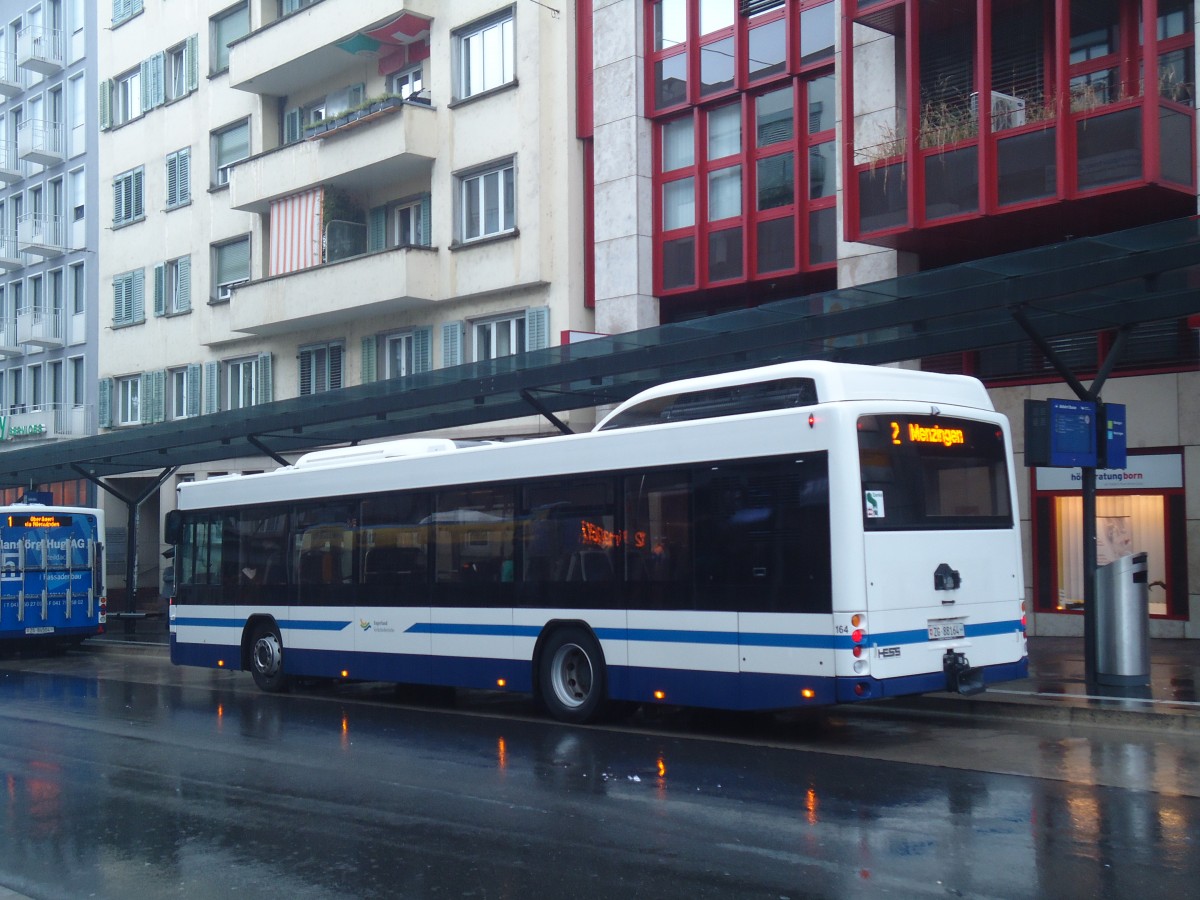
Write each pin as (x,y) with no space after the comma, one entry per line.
(927,434)
(38,521)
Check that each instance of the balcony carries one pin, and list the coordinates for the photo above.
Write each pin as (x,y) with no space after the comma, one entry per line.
(40,327)
(12,169)
(303,49)
(12,76)
(384,283)
(45,421)
(9,345)
(40,49)
(10,256)
(400,144)
(40,141)
(41,233)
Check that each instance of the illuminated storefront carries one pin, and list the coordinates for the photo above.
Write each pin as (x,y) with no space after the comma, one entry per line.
(1138,509)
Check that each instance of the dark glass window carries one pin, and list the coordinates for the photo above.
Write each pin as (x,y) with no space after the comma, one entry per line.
(658,552)
(474,536)
(394,546)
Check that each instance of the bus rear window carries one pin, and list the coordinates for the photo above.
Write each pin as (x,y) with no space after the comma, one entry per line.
(932,472)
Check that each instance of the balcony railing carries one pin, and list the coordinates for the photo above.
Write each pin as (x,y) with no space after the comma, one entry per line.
(10,256)
(9,345)
(40,327)
(12,76)
(41,233)
(40,49)
(41,141)
(12,169)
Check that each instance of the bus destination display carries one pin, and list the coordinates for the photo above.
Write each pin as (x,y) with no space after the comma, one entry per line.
(39,521)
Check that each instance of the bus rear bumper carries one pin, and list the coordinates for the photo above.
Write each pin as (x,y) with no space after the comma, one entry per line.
(851,690)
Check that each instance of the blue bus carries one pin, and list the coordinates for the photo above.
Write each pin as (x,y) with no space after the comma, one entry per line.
(51,575)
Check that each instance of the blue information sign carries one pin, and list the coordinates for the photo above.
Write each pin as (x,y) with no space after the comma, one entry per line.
(1072,433)
(1112,436)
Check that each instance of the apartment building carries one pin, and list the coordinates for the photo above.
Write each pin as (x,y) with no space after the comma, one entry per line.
(49,224)
(313,195)
(745,150)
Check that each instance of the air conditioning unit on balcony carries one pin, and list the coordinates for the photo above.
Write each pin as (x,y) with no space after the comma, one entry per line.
(1007,111)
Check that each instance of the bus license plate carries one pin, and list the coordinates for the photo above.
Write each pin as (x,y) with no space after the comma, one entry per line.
(946,629)
(45,629)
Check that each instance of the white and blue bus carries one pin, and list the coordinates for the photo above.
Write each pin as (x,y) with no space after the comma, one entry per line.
(800,534)
(51,574)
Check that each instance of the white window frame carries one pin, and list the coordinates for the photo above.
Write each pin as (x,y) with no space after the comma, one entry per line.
(476,47)
(473,192)
(175,300)
(408,82)
(489,335)
(176,64)
(180,407)
(399,350)
(129,400)
(241,382)
(407,234)
(127,97)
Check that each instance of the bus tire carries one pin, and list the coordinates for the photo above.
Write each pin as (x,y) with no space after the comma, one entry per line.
(572,678)
(266,660)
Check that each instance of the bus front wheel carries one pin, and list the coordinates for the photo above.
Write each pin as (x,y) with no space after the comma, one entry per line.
(266,660)
(571,676)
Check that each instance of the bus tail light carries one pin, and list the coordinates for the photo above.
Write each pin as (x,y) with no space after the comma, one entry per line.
(660,695)
(103,610)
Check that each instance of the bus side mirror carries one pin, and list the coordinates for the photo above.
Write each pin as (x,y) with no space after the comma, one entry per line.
(173,527)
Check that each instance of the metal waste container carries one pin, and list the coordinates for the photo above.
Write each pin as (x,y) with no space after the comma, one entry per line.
(1122,622)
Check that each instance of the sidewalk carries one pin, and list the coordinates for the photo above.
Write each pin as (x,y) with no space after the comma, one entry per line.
(1055,691)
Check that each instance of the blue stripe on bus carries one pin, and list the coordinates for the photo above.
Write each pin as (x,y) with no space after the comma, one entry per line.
(287,624)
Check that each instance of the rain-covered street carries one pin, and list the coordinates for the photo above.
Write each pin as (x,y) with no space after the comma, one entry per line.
(124,776)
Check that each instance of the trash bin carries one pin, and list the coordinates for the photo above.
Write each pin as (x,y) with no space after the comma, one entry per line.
(1122,622)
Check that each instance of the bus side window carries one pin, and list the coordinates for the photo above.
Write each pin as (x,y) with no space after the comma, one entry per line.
(658,544)
(474,530)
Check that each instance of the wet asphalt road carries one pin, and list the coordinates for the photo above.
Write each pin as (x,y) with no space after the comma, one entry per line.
(125,777)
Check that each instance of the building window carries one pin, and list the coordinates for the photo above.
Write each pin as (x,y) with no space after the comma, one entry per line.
(231,266)
(78,382)
(399,355)
(122,11)
(411,224)
(229,145)
(129,399)
(185,391)
(173,287)
(499,337)
(485,55)
(286,7)
(488,202)
(181,67)
(78,290)
(409,83)
(320,368)
(179,178)
(127,97)
(127,197)
(224,29)
(129,298)
(248,381)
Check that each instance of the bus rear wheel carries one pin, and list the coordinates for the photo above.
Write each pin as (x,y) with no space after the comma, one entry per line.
(572,677)
(266,660)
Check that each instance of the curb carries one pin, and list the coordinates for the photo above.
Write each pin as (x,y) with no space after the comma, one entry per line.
(1069,712)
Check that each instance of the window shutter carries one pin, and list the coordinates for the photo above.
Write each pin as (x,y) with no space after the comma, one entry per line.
(212,387)
(120,299)
(376,229)
(146,82)
(426,235)
(292,125)
(119,201)
(191,58)
(183,167)
(138,311)
(172,179)
(306,379)
(160,290)
(135,7)
(265,387)
(184,271)
(422,350)
(138,210)
(452,339)
(537,328)
(120,10)
(191,386)
(158,81)
(106,104)
(370,363)
(143,400)
(105,402)
(335,367)
(154,401)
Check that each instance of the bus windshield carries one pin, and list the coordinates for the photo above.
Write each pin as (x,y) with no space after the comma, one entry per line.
(932,472)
